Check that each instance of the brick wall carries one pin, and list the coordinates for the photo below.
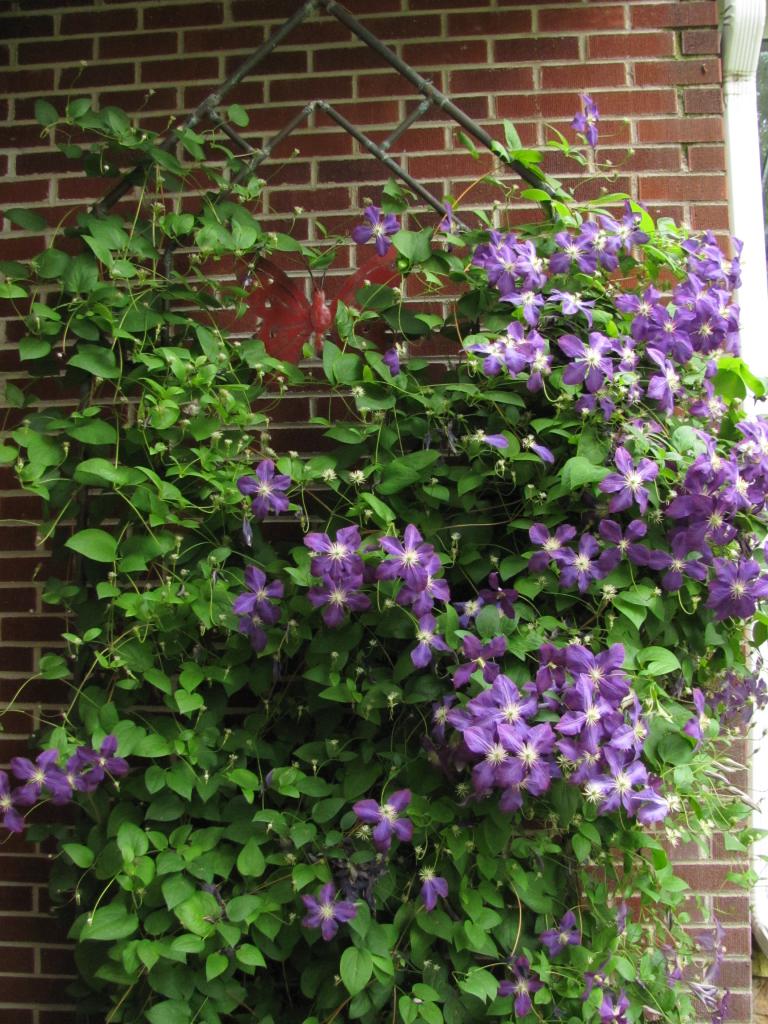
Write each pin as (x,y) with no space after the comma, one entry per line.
(651,66)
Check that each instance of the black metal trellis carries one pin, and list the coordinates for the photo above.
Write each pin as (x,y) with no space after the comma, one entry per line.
(431,96)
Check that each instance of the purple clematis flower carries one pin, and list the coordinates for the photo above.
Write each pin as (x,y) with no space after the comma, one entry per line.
(590,363)
(494,440)
(581,567)
(624,544)
(326,912)
(100,763)
(617,787)
(11,819)
(529,302)
(626,486)
(502,704)
(386,819)
(39,775)
(665,386)
(551,544)
(695,726)
(521,985)
(572,303)
(586,120)
(736,588)
(267,489)
(337,597)
(566,934)
(408,560)
(614,1011)
(391,358)
(432,887)
(480,656)
(336,558)
(503,597)
(605,670)
(378,226)
(677,564)
(428,641)
(531,748)
(258,600)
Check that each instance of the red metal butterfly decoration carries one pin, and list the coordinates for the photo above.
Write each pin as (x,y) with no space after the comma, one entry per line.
(279,312)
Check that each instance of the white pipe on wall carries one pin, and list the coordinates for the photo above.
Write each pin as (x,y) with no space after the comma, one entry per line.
(742,24)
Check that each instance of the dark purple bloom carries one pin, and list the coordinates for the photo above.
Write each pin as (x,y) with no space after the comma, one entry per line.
(626,486)
(604,669)
(521,985)
(694,726)
(336,558)
(502,704)
(39,775)
(432,887)
(267,488)
(326,912)
(586,120)
(614,1011)
(573,250)
(11,819)
(529,442)
(534,770)
(91,766)
(590,363)
(339,596)
(428,641)
(572,303)
(552,545)
(480,656)
(259,599)
(589,715)
(391,358)
(408,560)
(529,302)
(377,226)
(677,564)
(666,386)
(566,934)
(736,588)
(624,543)
(581,567)
(386,818)
(503,598)
(616,787)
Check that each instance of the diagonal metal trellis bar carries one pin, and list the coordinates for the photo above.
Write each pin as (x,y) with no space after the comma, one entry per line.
(432,96)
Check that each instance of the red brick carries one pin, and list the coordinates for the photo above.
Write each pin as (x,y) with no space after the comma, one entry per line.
(465,51)
(491,80)
(407,26)
(98,24)
(488,24)
(689,187)
(281,62)
(66,50)
(387,84)
(678,129)
(589,76)
(701,40)
(221,40)
(678,72)
(702,101)
(706,158)
(19,27)
(22,1016)
(39,627)
(15,897)
(97,75)
(37,990)
(15,960)
(21,81)
(148,44)
(674,15)
(167,15)
(710,218)
(55,960)
(192,68)
(536,49)
(581,19)
(646,158)
(626,46)
(295,90)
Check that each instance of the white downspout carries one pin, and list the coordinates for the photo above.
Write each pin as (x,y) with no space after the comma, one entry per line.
(742,24)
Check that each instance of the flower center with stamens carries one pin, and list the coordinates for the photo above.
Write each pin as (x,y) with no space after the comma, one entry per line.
(633,480)
(496,754)
(592,715)
(528,754)
(39,776)
(511,712)
(582,563)
(388,813)
(592,357)
(425,637)
(326,911)
(623,783)
(264,488)
(5,802)
(337,551)
(410,557)
(338,596)
(738,589)
(551,544)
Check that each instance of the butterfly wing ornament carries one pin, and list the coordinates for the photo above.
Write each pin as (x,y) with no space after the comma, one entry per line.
(278,311)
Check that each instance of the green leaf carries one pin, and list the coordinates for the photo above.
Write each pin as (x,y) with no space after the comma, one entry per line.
(578,471)
(581,847)
(170,1011)
(98,361)
(76,108)
(356,968)
(26,219)
(199,913)
(8,454)
(45,113)
(250,862)
(658,661)
(416,246)
(480,983)
(250,956)
(81,275)
(383,512)
(635,614)
(98,545)
(237,115)
(107,924)
(340,367)
(215,964)
(80,855)
(406,470)
(176,888)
